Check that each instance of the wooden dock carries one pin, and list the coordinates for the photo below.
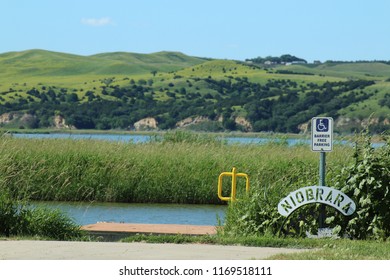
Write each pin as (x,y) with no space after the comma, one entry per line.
(116,231)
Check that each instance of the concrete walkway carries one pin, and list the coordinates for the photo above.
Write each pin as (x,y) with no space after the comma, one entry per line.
(62,250)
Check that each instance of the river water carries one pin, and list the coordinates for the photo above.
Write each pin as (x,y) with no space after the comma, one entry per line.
(138,138)
(84,213)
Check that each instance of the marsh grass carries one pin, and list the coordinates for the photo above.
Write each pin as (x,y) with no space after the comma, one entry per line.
(157,172)
(17,218)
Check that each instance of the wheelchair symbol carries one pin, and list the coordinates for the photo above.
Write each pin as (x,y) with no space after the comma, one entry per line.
(322,125)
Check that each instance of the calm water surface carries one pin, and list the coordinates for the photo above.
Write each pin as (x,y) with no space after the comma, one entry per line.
(138,138)
(84,213)
(135,138)
(108,137)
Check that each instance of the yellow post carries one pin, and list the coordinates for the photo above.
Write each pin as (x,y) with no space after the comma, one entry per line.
(234,176)
(234,184)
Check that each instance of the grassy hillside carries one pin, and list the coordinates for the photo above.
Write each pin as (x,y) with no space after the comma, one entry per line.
(360,70)
(171,86)
(22,71)
(165,61)
(41,62)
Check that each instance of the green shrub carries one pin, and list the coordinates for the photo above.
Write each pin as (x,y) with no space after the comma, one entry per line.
(52,224)
(252,215)
(9,215)
(18,218)
(367,182)
(256,214)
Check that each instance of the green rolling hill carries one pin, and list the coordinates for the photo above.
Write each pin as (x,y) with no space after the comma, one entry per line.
(116,90)
(46,63)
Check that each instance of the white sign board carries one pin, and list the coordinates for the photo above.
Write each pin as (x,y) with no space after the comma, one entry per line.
(321,134)
(316,194)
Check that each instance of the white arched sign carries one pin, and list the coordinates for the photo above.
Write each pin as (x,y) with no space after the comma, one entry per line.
(316,194)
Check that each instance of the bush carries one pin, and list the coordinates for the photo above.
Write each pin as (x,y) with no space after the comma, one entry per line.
(256,214)
(252,215)
(18,218)
(52,224)
(367,182)
(9,215)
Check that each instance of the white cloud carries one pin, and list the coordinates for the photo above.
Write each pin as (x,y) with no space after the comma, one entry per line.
(97,21)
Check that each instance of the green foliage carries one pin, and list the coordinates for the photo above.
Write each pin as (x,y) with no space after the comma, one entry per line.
(168,172)
(10,215)
(256,214)
(252,215)
(183,136)
(18,218)
(277,60)
(51,224)
(277,105)
(367,182)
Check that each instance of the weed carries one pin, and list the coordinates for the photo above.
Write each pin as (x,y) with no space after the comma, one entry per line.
(18,218)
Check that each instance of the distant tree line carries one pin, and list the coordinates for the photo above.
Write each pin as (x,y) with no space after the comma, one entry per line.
(286,58)
(276,105)
(358,61)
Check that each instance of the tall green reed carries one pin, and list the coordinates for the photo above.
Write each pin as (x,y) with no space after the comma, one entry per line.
(17,217)
(165,171)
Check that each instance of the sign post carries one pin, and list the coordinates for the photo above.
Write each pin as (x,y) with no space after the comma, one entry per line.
(322,141)
(322,134)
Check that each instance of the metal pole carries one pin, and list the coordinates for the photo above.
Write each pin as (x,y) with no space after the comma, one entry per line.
(234,184)
(321,220)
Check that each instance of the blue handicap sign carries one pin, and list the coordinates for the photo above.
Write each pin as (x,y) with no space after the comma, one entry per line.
(322,125)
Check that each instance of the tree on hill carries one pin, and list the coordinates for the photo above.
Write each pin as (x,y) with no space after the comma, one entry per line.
(286,58)
(275,105)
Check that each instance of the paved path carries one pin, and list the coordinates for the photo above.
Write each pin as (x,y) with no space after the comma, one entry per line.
(62,250)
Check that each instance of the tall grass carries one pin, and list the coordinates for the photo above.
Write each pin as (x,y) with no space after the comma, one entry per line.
(17,217)
(165,171)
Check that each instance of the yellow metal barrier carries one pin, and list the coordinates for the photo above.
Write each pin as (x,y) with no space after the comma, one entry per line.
(234,176)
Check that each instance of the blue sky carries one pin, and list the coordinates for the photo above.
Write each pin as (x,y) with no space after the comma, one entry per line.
(309,29)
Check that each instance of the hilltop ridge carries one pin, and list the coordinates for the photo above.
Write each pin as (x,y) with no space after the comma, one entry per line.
(116,90)
(38,62)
